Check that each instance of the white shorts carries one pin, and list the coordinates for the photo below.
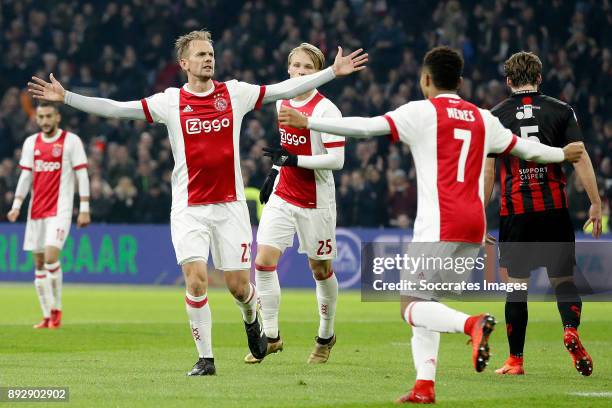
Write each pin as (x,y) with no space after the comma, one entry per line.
(223,229)
(438,253)
(315,227)
(44,232)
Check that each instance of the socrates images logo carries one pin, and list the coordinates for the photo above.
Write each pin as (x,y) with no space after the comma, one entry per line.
(347,264)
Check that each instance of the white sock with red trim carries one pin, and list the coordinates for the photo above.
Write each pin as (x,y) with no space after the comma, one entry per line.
(327,296)
(56,277)
(269,294)
(249,306)
(435,316)
(200,321)
(425,345)
(43,289)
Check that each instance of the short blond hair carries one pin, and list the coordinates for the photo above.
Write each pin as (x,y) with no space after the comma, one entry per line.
(315,54)
(181,45)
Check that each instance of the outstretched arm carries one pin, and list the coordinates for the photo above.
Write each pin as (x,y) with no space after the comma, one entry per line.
(541,153)
(357,127)
(54,92)
(293,87)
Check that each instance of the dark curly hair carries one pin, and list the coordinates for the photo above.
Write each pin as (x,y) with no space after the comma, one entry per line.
(445,66)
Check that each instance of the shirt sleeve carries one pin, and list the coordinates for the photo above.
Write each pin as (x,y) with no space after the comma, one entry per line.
(247,96)
(78,158)
(499,139)
(155,108)
(404,123)
(331,140)
(26,162)
(572,130)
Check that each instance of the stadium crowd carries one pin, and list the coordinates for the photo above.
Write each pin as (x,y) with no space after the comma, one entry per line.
(124,50)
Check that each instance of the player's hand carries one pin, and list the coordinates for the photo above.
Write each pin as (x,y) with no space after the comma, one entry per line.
(292,118)
(353,62)
(280,156)
(595,219)
(490,239)
(83,220)
(13,215)
(47,91)
(268,186)
(573,151)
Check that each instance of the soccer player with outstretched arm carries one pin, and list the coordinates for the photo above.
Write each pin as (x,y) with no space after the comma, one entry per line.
(449,139)
(534,209)
(303,201)
(209,211)
(50,161)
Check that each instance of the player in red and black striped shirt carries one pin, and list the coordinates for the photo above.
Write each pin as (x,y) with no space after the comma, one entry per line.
(534,208)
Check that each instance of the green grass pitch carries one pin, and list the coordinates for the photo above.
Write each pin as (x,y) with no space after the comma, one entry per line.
(131,347)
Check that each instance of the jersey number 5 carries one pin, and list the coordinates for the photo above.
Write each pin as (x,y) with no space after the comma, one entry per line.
(466,137)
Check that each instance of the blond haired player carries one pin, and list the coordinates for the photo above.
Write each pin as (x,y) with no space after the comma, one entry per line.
(209,211)
(303,201)
(49,162)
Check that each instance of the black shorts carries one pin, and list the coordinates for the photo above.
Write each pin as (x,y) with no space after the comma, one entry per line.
(535,239)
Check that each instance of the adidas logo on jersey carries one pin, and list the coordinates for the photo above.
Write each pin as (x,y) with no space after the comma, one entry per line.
(187,109)
(36,152)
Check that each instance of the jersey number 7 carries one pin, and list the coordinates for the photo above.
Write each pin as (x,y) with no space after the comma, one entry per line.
(466,137)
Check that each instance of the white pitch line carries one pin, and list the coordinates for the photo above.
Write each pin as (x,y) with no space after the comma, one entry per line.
(600,394)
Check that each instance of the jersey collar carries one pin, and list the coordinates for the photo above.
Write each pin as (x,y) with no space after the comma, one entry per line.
(300,104)
(526,92)
(448,95)
(53,138)
(211,90)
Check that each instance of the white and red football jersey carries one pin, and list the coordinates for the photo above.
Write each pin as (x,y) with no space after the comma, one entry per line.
(52,163)
(449,139)
(204,131)
(304,187)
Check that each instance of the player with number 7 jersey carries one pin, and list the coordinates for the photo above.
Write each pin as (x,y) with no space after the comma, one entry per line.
(209,212)
(449,139)
(303,202)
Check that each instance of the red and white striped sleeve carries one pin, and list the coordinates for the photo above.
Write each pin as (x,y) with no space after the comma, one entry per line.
(329,110)
(78,158)
(26,161)
(155,108)
(404,122)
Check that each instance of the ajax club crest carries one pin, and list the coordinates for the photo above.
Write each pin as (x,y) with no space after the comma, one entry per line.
(220,104)
(57,150)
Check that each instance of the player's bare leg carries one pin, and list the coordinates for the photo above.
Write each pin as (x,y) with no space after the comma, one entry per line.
(327,297)
(200,320)
(43,289)
(240,286)
(428,319)
(516,327)
(55,277)
(269,294)
(570,309)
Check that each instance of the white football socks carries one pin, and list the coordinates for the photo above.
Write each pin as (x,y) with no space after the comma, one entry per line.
(200,321)
(435,316)
(43,289)
(269,292)
(248,308)
(327,296)
(425,345)
(56,277)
